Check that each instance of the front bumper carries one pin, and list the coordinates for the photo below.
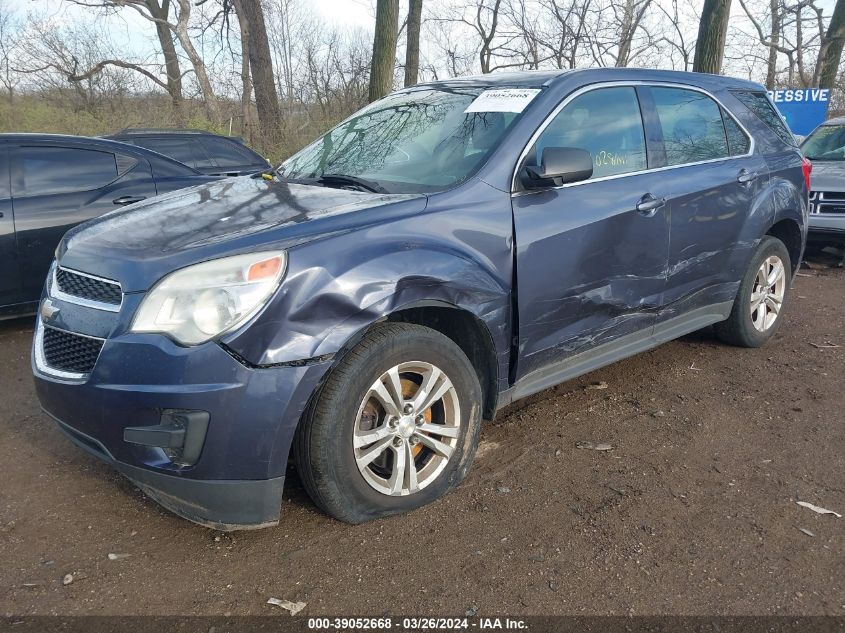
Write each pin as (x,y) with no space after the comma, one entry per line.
(827,225)
(236,482)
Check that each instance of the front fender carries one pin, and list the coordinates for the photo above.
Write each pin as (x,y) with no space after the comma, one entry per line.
(339,285)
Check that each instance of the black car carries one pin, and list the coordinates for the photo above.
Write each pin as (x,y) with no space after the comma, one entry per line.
(208,153)
(51,183)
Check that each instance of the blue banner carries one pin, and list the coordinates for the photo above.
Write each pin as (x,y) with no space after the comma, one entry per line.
(803,108)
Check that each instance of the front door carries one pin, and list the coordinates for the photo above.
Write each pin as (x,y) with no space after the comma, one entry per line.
(591,256)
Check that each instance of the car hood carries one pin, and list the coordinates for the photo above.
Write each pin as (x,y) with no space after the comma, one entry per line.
(827,175)
(141,243)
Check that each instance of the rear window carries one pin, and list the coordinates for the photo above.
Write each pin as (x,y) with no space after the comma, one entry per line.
(229,153)
(186,151)
(51,170)
(760,104)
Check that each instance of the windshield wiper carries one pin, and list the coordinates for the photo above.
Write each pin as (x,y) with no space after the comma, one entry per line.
(355,181)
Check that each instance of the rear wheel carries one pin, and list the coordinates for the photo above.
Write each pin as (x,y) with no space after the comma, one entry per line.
(758,306)
(394,427)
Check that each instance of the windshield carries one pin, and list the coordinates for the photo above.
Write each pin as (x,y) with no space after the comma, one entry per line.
(411,142)
(825,143)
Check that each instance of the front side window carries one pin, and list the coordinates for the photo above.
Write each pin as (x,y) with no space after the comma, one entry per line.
(51,170)
(409,142)
(825,143)
(692,126)
(607,123)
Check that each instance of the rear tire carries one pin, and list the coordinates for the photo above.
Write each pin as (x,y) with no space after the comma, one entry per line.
(758,307)
(394,427)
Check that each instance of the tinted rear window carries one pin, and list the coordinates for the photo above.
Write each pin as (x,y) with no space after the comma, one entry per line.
(759,104)
(186,151)
(229,153)
(50,170)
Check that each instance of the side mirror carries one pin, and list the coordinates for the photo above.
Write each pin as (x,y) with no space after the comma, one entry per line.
(558,166)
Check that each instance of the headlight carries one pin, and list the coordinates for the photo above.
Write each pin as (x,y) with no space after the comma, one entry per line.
(197,303)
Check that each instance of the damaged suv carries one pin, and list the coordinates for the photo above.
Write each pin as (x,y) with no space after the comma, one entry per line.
(445,251)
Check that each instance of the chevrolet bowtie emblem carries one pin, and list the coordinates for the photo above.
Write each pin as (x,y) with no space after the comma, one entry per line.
(48,310)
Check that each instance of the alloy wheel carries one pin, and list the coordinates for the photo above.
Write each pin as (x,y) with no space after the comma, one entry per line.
(407,428)
(768,292)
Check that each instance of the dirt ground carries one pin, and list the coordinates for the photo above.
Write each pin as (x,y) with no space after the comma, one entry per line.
(692,512)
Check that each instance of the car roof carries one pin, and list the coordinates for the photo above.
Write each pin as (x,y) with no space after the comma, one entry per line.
(102,143)
(64,138)
(546,78)
(169,131)
(838,120)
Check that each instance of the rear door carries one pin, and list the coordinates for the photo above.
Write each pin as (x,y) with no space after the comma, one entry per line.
(590,255)
(54,188)
(711,176)
(9,274)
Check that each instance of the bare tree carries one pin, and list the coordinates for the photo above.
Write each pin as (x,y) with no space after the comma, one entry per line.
(178,24)
(712,33)
(830,54)
(629,17)
(251,17)
(412,48)
(8,43)
(384,48)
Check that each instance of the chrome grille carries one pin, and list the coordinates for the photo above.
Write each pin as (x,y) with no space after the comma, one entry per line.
(827,202)
(88,287)
(70,352)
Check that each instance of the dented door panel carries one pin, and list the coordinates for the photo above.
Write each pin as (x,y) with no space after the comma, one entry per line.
(590,266)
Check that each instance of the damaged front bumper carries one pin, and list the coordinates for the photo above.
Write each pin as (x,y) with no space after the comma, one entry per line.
(197,430)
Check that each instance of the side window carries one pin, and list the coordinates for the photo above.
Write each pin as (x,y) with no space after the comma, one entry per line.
(51,170)
(227,153)
(692,126)
(185,151)
(607,123)
(738,142)
(762,107)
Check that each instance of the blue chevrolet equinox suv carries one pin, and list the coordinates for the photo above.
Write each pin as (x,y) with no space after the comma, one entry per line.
(447,250)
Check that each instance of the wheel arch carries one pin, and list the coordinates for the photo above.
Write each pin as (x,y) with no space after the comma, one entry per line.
(458,324)
(788,231)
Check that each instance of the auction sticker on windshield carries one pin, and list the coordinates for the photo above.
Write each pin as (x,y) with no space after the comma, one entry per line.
(502,100)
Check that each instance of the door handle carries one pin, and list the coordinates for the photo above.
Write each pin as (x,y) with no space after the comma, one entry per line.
(744,177)
(129,199)
(648,205)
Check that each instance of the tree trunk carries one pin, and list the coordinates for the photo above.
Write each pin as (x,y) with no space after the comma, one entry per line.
(161,11)
(247,128)
(830,54)
(261,68)
(384,48)
(772,64)
(712,33)
(412,50)
(212,107)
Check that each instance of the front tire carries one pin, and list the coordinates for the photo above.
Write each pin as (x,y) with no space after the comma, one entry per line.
(394,426)
(758,307)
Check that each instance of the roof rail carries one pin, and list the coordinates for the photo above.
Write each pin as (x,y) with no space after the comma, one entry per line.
(163,130)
